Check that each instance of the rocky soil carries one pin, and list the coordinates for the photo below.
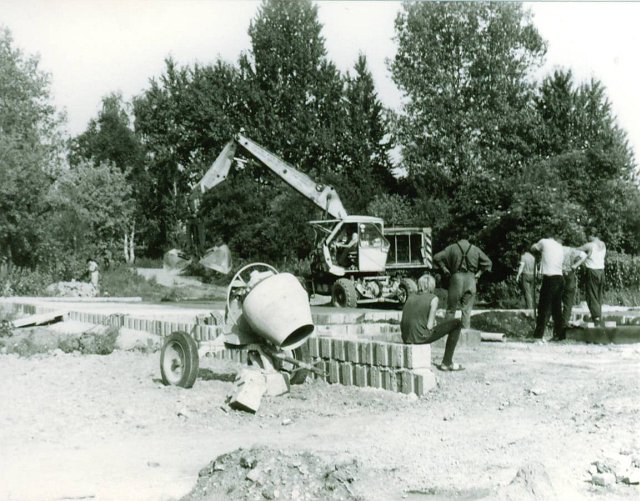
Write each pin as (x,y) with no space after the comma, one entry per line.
(523,421)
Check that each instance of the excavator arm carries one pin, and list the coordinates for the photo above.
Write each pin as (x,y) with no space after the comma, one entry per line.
(323,196)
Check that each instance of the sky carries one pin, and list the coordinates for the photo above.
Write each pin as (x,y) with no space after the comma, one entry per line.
(94,47)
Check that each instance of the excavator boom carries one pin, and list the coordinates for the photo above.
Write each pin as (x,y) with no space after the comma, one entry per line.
(323,196)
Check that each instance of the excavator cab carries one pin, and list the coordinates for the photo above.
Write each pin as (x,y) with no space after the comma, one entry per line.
(350,246)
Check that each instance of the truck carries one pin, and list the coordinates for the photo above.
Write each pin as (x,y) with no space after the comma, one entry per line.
(355,259)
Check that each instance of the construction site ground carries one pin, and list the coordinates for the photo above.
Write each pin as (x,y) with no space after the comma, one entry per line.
(104,427)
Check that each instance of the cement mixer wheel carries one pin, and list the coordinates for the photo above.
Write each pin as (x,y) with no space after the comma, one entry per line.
(344,293)
(179,360)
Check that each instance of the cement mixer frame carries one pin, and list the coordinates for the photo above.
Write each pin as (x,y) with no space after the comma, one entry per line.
(384,264)
(181,353)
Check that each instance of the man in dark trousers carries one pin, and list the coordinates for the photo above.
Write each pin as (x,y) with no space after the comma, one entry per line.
(418,324)
(464,262)
(550,300)
(596,251)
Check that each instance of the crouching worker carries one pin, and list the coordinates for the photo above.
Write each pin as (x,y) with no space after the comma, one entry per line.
(418,324)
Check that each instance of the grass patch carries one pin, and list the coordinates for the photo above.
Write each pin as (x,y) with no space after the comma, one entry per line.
(123,281)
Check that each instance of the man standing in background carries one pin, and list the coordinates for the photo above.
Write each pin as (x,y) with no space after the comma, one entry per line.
(525,278)
(594,285)
(572,260)
(550,301)
(464,262)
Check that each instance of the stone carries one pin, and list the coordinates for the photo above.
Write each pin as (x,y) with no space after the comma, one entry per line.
(603,479)
(250,387)
(276,384)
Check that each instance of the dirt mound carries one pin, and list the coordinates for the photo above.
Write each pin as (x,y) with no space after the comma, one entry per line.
(72,289)
(265,473)
(531,483)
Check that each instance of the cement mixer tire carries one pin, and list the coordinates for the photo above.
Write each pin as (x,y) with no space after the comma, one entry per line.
(179,360)
(344,294)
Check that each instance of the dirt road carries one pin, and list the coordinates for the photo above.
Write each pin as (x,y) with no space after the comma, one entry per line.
(104,427)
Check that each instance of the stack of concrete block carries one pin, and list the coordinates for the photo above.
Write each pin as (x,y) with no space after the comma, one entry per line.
(370,363)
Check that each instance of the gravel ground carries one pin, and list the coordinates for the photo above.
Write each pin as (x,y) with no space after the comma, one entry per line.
(104,427)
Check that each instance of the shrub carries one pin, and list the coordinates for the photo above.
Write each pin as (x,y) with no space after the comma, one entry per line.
(622,271)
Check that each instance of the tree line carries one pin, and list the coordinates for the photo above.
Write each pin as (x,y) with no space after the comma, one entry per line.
(485,150)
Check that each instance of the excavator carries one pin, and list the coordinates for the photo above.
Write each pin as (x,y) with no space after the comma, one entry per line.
(355,259)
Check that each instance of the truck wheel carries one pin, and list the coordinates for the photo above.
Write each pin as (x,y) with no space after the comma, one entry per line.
(179,360)
(344,294)
(407,287)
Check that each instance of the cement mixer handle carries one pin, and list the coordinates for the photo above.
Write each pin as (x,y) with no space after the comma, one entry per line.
(299,363)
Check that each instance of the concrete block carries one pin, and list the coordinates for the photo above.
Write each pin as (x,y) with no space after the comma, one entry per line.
(351,351)
(338,350)
(396,355)
(381,353)
(346,374)
(276,384)
(325,347)
(406,381)
(250,387)
(389,379)
(312,346)
(360,375)
(321,365)
(424,381)
(366,355)
(333,372)
(417,356)
(375,377)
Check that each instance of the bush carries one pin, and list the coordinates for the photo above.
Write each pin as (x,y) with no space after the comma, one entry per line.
(18,281)
(622,271)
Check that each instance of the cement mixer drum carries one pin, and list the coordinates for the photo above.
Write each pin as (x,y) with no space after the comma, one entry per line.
(273,305)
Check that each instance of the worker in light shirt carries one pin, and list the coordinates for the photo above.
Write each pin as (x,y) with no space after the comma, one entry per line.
(550,300)
(594,284)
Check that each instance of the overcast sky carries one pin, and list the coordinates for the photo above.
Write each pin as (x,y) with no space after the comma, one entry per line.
(94,47)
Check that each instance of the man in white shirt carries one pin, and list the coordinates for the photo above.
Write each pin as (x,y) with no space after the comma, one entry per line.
(550,301)
(594,284)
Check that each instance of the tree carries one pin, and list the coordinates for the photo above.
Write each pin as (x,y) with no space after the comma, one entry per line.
(464,69)
(31,146)
(93,209)
(366,169)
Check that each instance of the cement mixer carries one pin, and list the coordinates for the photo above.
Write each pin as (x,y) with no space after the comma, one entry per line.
(266,313)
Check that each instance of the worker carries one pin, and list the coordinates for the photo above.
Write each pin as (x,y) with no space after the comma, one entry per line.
(594,283)
(464,262)
(418,323)
(525,278)
(94,274)
(572,260)
(550,300)
(345,248)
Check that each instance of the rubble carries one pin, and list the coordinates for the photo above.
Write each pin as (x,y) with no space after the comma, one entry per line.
(266,473)
(72,289)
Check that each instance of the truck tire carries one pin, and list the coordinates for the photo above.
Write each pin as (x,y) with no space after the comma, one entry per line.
(344,294)
(179,360)
(407,287)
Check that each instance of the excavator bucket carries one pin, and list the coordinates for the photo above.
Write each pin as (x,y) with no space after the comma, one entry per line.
(217,259)
(175,260)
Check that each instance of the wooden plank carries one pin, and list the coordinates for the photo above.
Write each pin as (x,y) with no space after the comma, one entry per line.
(39,319)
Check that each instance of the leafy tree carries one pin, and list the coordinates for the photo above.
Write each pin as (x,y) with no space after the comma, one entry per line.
(366,168)
(93,208)
(464,69)
(109,137)
(30,153)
